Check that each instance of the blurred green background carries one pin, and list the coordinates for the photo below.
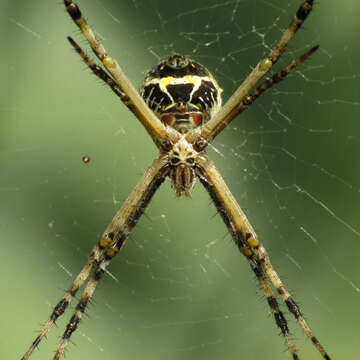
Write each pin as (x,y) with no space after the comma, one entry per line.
(183,290)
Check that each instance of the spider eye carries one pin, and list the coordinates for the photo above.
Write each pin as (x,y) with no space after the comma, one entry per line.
(174,160)
(190,161)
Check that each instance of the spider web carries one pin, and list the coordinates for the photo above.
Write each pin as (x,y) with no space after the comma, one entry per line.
(180,289)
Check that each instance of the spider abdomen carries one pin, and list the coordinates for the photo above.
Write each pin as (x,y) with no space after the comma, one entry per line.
(182,93)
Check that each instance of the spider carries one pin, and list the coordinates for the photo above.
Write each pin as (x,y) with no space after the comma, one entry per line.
(180,107)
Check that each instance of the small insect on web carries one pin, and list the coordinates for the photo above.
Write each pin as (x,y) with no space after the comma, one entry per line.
(180,107)
(86,159)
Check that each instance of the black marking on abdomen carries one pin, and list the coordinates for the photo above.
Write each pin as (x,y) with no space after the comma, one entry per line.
(206,95)
(154,97)
(180,92)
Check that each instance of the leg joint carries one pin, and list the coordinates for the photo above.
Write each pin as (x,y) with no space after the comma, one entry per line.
(292,306)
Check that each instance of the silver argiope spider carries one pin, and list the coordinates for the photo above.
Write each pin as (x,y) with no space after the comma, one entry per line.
(180,107)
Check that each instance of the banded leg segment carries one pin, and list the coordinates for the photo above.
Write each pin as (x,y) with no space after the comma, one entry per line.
(269,82)
(115,236)
(81,306)
(246,239)
(274,306)
(264,259)
(255,265)
(301,15)
(229,111)
(98,70)
(132,98)
(62,305)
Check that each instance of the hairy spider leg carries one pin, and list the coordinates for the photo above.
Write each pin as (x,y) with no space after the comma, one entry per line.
(244,248)
(108,245)
(228,112)
(264,259)
(269,82)
(131,98)
(246,239)
(118,231)
(99,71)
(62,305)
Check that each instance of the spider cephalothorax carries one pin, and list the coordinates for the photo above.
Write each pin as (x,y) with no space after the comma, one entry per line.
(182,162)
(182,93)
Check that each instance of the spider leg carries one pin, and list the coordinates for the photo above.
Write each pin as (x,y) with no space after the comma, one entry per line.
(98,70)
(81,306)
(264,259)
(115,236)
(246,239)
(62,305)
(269,82)
(229,111)
(254,264)
(131,97)
(274,305)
